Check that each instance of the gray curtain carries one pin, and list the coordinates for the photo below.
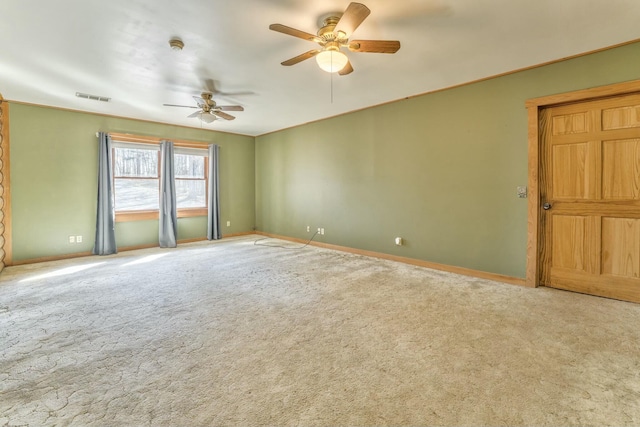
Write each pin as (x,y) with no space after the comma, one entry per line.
(168,224)
(213,218)
(105,243)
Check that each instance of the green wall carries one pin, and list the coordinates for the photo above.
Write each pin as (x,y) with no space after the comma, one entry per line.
(54,181)
(439,170)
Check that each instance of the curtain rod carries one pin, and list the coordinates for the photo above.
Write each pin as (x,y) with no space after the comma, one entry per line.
(127,137)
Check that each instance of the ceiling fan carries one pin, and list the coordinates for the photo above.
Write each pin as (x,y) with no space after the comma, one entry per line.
(209,110)
(334,35)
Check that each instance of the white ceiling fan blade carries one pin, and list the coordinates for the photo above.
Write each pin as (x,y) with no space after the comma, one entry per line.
(200,101)
(229,107)
(175,105)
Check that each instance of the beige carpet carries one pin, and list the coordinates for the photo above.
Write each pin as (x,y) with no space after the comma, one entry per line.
(233,334)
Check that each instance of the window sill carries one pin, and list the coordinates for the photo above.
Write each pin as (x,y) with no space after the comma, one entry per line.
(126,216)
(188,213)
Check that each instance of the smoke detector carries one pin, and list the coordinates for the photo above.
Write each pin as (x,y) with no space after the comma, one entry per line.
(176,44)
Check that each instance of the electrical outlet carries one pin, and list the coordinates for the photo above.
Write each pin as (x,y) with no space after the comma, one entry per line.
(78,239)
(322,231)
(72,239)
(228,223)
(319,230)
(308,228)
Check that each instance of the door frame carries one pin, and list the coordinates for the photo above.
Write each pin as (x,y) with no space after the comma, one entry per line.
(6,248)
(534,106)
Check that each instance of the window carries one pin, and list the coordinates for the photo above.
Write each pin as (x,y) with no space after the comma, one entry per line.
(136,176)
(191,180)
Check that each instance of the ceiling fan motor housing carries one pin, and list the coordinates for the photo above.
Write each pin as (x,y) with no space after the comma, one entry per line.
(329,37)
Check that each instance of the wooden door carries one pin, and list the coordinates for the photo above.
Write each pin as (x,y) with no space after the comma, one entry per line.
(590,179)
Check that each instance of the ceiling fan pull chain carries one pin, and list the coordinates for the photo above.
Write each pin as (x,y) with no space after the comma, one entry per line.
(331,87)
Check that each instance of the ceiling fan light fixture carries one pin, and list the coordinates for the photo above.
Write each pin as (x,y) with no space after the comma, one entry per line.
(207,117)
(331,61)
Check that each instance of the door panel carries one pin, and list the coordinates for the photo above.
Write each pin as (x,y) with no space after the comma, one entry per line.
(621,169)
(621,117)
(621,247)
(566,124)
(573,171)
(573,243)
(590,179)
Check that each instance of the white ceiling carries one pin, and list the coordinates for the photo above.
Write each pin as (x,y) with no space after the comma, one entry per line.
(119,49)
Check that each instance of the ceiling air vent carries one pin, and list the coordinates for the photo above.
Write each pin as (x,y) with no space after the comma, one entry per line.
(92,97)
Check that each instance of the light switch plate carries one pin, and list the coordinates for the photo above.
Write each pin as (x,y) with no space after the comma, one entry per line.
(522,191)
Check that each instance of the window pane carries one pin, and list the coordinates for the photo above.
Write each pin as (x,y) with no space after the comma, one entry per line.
(191,193)
(135,162)
(188,166)
(136,194)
